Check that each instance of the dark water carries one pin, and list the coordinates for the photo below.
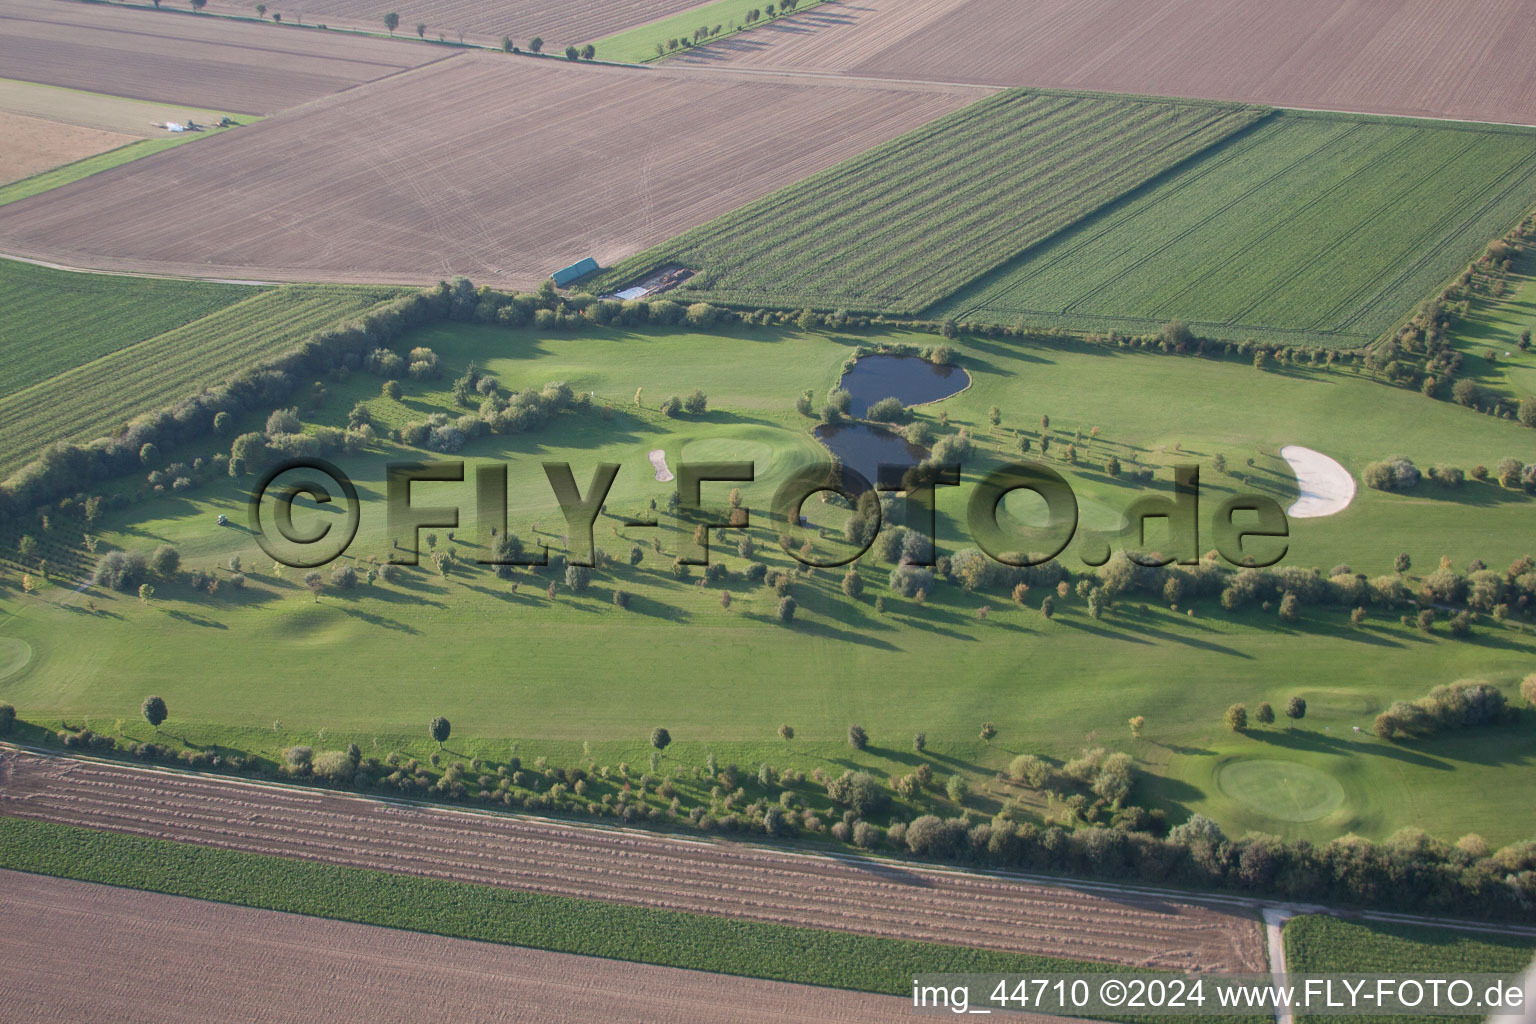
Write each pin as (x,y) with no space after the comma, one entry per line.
(911,380)
(864,448)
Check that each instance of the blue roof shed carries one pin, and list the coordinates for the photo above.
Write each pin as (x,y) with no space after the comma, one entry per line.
(565,275)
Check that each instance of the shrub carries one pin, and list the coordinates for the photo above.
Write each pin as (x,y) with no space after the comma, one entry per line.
(1458,705)
(866,836)
(165,561)
(1394,473)
(887,410)
(858,739)
(299,756)
(696,404)
(334,766)
(1030,770)
(119,570)
(344,577)
(671,406)
(857,791)
(932,837)
(1527,691)
(786,609)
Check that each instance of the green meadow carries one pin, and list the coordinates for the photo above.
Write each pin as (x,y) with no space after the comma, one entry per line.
(573,676)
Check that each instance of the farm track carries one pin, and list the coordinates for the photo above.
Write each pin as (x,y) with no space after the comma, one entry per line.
(175,57)
(735,880)
(83,952)
(376,185)
(1411,57)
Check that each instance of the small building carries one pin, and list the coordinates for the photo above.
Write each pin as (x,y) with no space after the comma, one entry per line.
(579,269)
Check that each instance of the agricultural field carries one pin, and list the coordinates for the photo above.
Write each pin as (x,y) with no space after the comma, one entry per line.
(1086,676)
(732,880)
(102,944)
(94,398)
(1310,229)
(649,41)
(43,145)
(1418,58)
(903,225)
(429,197)
(52,321)
(558,24)
(181,58)
(1315,943)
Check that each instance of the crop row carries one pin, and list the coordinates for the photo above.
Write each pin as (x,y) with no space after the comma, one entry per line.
(97,398)
(897,228)
(1315,228)
(53,320)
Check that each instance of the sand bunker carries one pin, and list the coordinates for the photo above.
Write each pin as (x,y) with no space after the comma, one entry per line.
(659,460)
(1326,486)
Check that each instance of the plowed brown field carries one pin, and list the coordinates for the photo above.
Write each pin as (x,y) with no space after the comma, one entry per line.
(737,880)
(503,169)
(82,952)
(175,57)
(1440,58)
(557,22)
(33,145)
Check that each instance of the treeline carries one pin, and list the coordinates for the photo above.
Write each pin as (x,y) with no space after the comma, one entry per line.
(1456,706)
(1398,472)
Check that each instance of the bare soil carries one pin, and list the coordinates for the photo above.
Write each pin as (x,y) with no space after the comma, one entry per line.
(1410,57)
(83,952)
(498,168)
(138,118)
(33,145)
(178,57)
(866,896)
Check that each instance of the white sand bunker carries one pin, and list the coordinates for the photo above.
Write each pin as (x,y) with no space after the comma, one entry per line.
(1326,486)
(659,460)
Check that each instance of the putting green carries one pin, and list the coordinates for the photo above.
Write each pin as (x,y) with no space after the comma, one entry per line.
(14,655)
(1285,790)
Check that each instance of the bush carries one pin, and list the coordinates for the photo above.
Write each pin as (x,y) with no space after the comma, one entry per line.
(866,836)
(334,766)
(1458,705)
(887,410)
(344,577)
(299,757)
(671,406)
(1527,691)
(696,404)
(929,836)
(1237,717)
(858,739)
(1030,770)
(119,570)
(786,609)
(1395,473)
(857,791)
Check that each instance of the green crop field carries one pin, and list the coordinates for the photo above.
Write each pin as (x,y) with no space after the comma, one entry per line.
(1310,229)
(94,398)
(574,677)
(639,44)
(905,224)
(1327,945)
(52,320)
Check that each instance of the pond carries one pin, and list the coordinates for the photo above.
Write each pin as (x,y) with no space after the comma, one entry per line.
(864,448)
(911,380)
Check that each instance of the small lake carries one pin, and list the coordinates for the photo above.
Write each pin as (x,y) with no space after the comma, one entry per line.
(865,448)
(909,379)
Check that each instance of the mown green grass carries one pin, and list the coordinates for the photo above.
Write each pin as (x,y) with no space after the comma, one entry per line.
(1311,229)
(95,398)
(638,45)
(563,924)
(53,320)
(1319,944)
(906,223)
(575,678)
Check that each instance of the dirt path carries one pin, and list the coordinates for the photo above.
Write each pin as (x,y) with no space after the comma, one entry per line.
(83,952)
(644,869)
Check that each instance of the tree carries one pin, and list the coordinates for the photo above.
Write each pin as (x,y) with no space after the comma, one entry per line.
(1402,563)
(988,731)
(506,44)
(1296,708)
(571,53)
(535,44)
(1290,607)
(853,583)
(1528,690)
(146,591)
(786,609)
(421,29)
(660,738)
(261,10)
(165,561)
(1237,717)
(154,711)
(315,582)
(920,741)
(858,739)
(578,578)
(956,789)
(439,730)
(857,791)
(588,52)
(149,454)
(696,403)
(1264,714)
(391,22)
(786,733)
(7,718)
(198,5)
(1138,723)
